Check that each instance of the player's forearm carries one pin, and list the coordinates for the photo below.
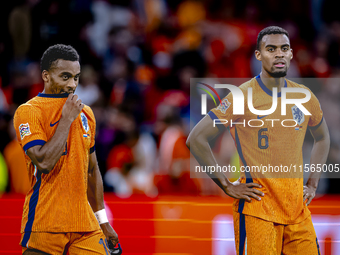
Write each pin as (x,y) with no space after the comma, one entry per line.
(95,189)
(49,154)
(201,150)
(319,156)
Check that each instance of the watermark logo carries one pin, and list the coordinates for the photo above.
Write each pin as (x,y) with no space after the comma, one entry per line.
(204,98)
(238,101)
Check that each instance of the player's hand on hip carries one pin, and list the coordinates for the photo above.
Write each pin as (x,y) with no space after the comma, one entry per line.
(110,233)
(244,191)
(72,107)
(308,194)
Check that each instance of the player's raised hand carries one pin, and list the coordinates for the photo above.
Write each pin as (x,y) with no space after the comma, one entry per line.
(244,191)
(308,194)
(72,107)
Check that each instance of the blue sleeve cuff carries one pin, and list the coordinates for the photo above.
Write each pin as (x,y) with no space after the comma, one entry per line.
(92,149)
(318,125)
(214,117)
(33,143)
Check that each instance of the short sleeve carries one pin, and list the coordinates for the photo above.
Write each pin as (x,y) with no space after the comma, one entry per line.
(316,118)
(28,124)
(223,114)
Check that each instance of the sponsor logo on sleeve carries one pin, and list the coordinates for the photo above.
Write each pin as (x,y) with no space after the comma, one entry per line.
(24,130)
(223,107)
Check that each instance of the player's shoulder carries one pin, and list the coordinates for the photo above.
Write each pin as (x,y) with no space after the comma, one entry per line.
(30,106)
(88,112)
(248,84)
(87,109)
(294,84)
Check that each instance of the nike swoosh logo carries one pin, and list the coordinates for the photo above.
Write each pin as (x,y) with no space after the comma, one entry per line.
(52,124)
(260,117)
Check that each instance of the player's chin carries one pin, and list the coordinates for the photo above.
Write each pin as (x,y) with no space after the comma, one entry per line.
(278,73)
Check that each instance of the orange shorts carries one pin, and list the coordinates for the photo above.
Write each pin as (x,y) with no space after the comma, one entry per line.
(256,236)
(68,243)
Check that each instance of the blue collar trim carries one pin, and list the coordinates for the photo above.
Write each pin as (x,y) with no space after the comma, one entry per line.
(53,95)
(265,89)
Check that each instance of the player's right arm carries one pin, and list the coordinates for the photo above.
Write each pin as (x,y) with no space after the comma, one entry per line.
(46,156)
(198,143)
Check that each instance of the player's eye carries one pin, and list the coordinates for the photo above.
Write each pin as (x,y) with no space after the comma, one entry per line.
(285,48)
(270,49)
(65,77)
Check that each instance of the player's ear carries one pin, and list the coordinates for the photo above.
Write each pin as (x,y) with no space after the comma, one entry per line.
(45,76)
(258,55)
(291,54)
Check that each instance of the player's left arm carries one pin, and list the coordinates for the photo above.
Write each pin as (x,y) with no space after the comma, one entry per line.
(319,156)
(96,198)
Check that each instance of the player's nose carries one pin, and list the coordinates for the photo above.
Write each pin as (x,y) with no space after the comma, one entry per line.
(72,84)
(279,54)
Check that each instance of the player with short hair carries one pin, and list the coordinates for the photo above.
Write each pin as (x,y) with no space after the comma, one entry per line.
(57,132)
(270,209)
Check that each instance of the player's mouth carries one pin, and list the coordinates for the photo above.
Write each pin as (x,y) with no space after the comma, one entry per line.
(280,64)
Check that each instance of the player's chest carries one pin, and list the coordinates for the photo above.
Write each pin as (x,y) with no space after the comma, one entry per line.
(267,113)
(79,132)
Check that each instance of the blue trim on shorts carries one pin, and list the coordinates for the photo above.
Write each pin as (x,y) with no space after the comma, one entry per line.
(243,234)
(31,210)
(317,245)
(248,176)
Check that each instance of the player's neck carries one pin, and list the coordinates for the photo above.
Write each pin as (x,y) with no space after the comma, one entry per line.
(271,82)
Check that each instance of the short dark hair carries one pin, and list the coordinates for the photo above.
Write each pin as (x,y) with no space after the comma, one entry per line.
(269,31)
(55,52)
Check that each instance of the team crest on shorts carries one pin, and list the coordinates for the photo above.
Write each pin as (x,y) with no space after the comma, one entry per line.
(298,115)
(85,122)
(24,129)
(223,107)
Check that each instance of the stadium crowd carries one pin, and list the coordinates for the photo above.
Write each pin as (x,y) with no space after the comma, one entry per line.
(137,58)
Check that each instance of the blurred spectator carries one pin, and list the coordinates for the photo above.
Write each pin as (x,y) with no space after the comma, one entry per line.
(174,157)
(131,164)
(88,89)
(15,160)
(138,57)
(3,174)
(20,28)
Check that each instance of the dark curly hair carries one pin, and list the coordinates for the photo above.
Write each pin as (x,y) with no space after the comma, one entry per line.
(55,52)
(269,31)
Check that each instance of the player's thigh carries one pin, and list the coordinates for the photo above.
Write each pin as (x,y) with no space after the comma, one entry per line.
(45,243)
(300,239)
(256,236)
(88,243)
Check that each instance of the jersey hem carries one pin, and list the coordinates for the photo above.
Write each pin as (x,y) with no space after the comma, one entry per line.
(277,221)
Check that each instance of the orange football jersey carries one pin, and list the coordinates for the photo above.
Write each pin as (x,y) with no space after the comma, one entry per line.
(271,144)
(56,202)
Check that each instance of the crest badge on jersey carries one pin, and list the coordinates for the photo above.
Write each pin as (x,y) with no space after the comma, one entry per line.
(24,130)
(298,115)
(85,122)
(223,107)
